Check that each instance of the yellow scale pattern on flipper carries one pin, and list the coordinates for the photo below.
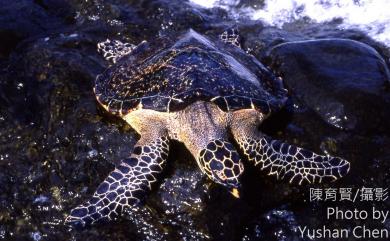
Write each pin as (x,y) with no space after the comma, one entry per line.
(125,186)
(295,163)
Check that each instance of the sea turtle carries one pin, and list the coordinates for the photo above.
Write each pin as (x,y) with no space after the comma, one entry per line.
(209,95)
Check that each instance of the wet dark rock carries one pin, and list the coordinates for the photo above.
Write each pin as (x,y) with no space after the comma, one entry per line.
(183,192)
(176,210)
(20,20)
(57,145)
(279,224)
(345,82)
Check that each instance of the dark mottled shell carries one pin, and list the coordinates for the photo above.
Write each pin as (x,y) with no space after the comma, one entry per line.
(168,76)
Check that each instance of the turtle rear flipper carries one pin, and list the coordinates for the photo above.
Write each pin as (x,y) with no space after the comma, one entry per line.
(231,36)
(113,50)
(125,186)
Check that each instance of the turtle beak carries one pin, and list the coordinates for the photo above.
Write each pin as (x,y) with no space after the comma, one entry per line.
(235,193)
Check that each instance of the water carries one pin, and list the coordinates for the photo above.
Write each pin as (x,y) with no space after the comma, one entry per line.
(369,16)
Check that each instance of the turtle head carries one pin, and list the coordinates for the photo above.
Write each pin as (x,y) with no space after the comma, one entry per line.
(222,164)
(228,177)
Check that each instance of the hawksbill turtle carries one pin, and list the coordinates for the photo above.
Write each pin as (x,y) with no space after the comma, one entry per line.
(209,95)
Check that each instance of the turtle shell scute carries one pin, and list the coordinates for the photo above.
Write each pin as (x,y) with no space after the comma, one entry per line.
(168,75)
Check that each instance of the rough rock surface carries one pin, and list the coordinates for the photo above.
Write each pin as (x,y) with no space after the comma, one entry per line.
(344,81)
(57,145)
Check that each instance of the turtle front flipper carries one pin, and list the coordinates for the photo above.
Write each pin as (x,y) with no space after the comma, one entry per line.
(285,160)
(125,186)
(291,162)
